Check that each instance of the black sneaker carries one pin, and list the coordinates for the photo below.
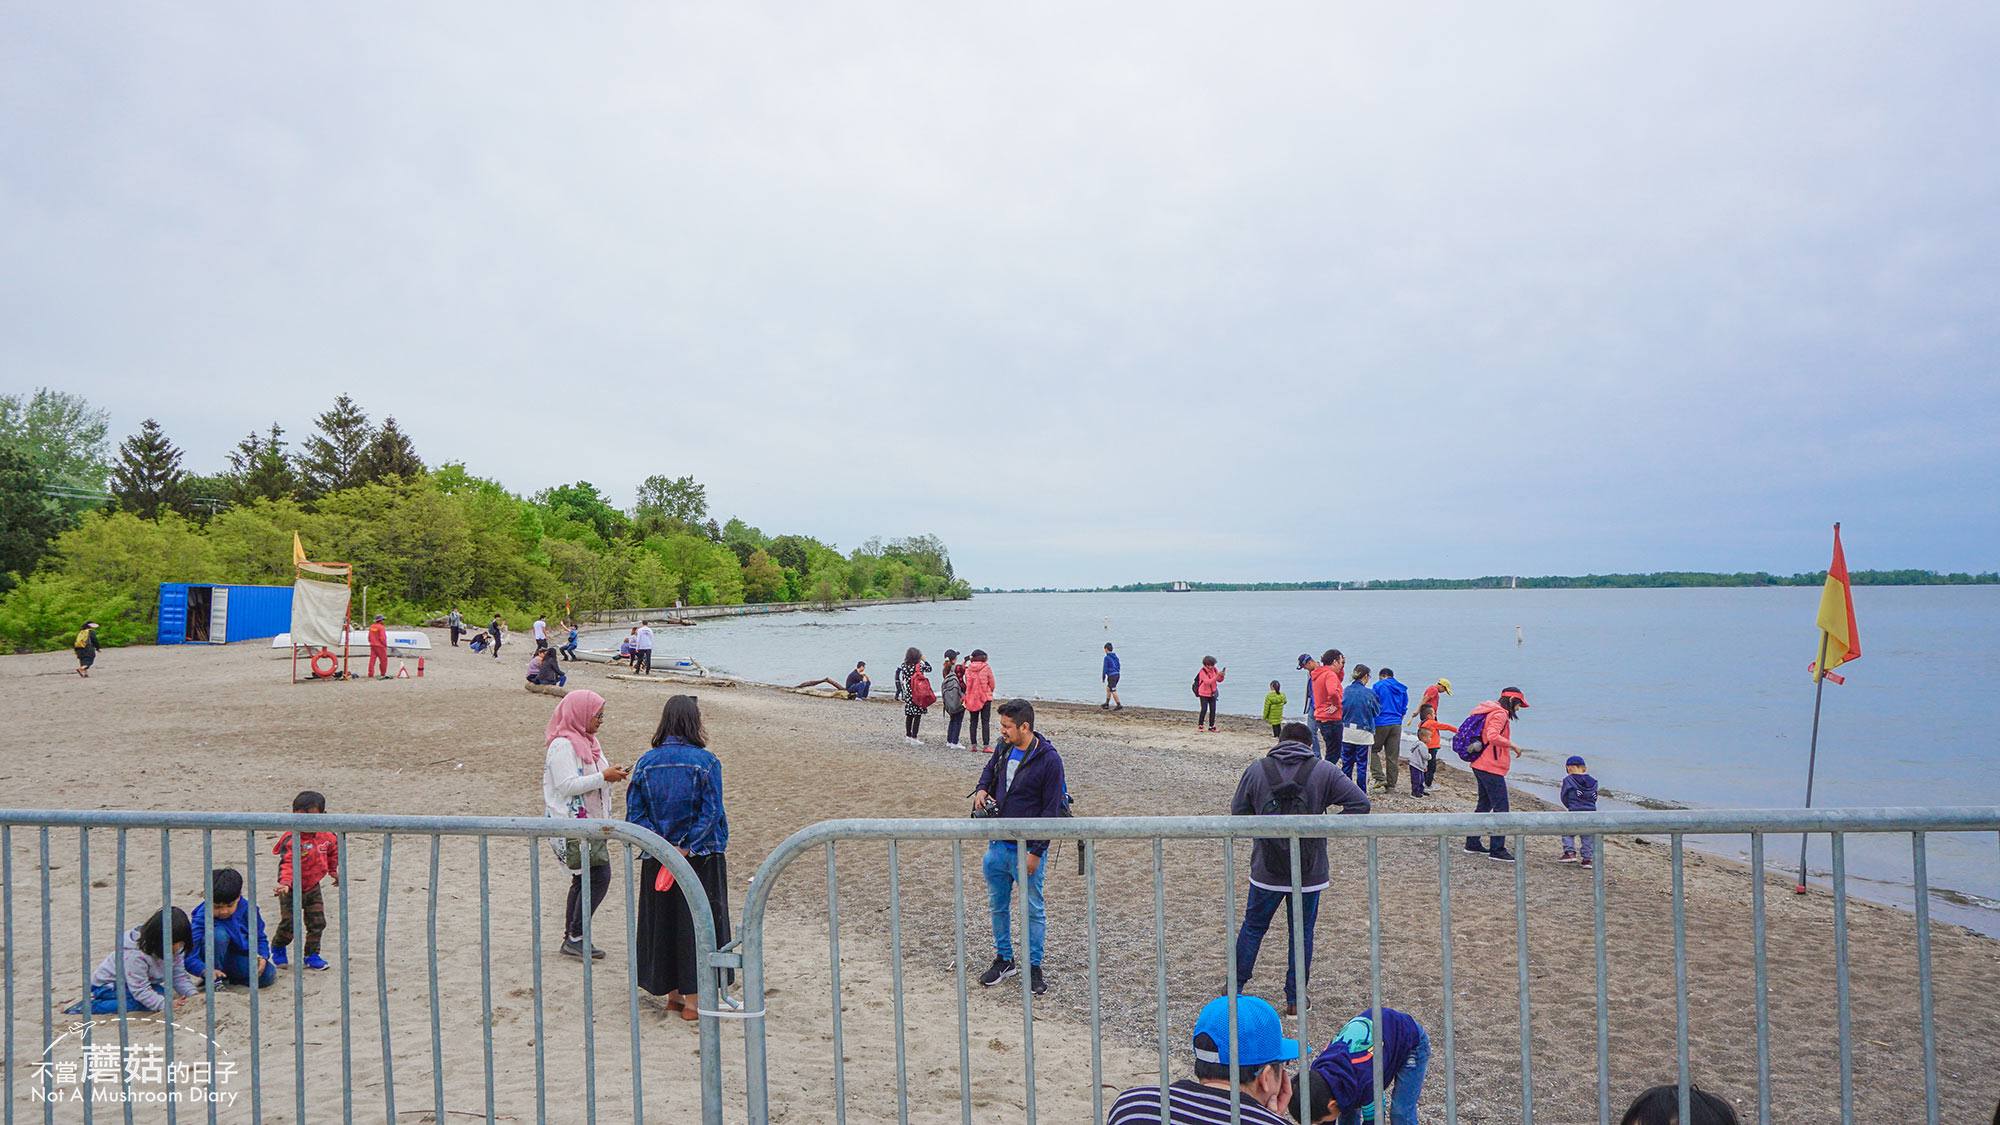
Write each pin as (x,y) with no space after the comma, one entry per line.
(1475,849)
(573,947)
(1501,855)
(1035,982)
(1000,970)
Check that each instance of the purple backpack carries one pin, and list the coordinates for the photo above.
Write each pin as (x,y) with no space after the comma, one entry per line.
(1466,743)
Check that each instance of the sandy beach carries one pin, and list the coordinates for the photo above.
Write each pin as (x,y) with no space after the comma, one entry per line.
(213,729)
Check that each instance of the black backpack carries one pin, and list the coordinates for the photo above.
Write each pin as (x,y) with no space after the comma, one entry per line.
(1287,798)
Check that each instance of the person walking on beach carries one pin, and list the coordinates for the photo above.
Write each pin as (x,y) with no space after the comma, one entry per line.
(951,694)
(1327,673)
(495,630)
(1024,781)
(914,689)
(1496,757)
(455,621)
(978,676)
(1207,691)
(1291,780)
(1579,794)
(1394,701)
(576,785)
(378,649)
(86,649)
(642,649)
(541,628)
(1111,670)
(1357,732)
(676,792)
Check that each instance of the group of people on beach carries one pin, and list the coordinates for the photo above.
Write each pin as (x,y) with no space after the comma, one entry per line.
(965,690)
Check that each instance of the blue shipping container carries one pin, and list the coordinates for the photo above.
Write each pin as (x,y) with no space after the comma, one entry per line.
(193,613)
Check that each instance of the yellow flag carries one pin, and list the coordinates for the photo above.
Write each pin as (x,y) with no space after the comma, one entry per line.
(298,550)
(1839,639)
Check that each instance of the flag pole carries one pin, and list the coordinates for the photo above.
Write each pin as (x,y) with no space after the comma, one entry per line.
(1812,755)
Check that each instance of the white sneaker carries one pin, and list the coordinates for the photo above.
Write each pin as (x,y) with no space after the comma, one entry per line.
(916,742)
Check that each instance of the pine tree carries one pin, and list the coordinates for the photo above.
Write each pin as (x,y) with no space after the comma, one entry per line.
(331,458)
(147,477)
(390,454)
(29,517)
(259,469)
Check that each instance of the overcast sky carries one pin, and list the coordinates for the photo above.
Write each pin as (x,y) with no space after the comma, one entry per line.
(1097,294)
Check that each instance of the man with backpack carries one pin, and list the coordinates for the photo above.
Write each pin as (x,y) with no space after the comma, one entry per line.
(1291,780)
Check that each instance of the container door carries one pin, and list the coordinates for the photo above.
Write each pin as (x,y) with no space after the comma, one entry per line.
(173,614)
(218,616)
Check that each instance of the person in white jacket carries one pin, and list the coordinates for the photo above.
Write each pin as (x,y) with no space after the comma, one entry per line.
(576,784)
(151,959)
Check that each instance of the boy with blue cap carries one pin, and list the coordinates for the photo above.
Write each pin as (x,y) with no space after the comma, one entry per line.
(1263,1082)
(1579,794)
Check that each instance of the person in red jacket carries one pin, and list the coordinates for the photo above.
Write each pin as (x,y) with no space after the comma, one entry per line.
(1326,686)
(1496,757)
(378,648)
(300,869)
(1207,687)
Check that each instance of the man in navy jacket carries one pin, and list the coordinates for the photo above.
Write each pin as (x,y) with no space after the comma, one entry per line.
(1024,779)
(231,919)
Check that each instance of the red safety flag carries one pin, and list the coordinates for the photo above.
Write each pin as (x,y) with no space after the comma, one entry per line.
(1839,641)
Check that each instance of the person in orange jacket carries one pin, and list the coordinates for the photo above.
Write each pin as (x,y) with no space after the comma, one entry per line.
(1496,757)
(1423,757)
(378,648)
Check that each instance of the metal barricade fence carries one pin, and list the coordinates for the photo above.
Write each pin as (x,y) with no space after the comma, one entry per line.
(161,1077)
(1448,830)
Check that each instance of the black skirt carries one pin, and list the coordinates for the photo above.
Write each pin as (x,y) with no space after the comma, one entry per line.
(666,928)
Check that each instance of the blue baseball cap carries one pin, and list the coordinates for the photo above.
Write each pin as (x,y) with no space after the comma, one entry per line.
(1305,658)
(1260,1035)
(1573,761)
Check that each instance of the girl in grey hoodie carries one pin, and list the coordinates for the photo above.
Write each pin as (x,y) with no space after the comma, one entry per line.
(148,958)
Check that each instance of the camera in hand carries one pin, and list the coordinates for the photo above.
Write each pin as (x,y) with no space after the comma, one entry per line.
(990,809)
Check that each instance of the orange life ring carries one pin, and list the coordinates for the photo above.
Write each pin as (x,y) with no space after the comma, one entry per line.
(332,663)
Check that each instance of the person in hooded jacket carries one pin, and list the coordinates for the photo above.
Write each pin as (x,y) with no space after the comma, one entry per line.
(951,696)
(1267,789)
(1024,779)
(1579,794)
(1358,708)
(1340,1084)
(1496,757)
(1323,695)
(978,677)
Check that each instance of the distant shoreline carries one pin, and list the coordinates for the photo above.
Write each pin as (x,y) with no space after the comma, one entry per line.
(1660,580)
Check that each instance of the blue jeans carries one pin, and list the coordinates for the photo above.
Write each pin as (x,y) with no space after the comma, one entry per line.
(1405,1087)
(1589,846)
(1257,921)
(1001,869)
(957,724)
(1492,798)
(265,979)
(1354,762)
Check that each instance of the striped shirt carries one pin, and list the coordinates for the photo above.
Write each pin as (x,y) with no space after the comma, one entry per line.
(1192,1104)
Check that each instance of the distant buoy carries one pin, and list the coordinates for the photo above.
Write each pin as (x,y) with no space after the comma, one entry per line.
(1517,635)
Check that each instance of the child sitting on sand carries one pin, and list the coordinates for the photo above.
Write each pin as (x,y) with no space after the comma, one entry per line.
(233,920)
(1423,757)
(1274,709)
(150,959)
(1579,794)
(318,858)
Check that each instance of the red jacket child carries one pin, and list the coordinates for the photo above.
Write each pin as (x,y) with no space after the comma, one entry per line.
(321,859)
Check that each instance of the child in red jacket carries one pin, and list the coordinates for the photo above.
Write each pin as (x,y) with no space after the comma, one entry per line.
(318,858)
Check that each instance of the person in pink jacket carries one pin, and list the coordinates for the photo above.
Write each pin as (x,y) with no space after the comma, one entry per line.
(1496,757)
(1207,684)
(978,679)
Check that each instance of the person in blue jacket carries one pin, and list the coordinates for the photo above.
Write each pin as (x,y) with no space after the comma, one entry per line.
(1111,680)
(676,792)
(1579,794)
(1359,709)
(1023,778)
(1395,701)
(1340,1086)
(231,919)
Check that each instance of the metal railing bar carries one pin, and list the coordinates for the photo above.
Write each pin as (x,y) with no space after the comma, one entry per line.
(437,1032)
(1757,940)
(486,968)
(256,994)
(1842,1010)
(833,959)
(7,965)
(1229,971)
(1444,943)
(535,969)
(896,983)
(1160,960)
(1521,964)
(1096,1016)
(1375,973)
(1024,949)
(297,953)
(1680,972)
(1603,973)
(1921,860)
(48,989)
(631,975)
(167,994)
(958,974)
(124,999)
(382,985)
(1295,903)
(589,986)
(208,947)
(346,994)
(83,936)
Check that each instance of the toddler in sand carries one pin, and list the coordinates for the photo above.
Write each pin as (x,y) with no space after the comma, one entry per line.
(1423,757)
(1579,794)
(318,858)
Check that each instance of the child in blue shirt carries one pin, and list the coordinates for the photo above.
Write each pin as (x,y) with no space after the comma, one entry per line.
(232,919)
(1340,1087)
(1579,794)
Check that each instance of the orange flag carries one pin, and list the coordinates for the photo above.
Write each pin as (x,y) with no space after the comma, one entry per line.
(1839,642)
(298,550)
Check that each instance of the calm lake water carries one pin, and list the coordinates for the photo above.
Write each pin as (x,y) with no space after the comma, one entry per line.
(1683,697)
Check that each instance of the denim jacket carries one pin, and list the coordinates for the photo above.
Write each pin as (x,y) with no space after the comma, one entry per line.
(676,791)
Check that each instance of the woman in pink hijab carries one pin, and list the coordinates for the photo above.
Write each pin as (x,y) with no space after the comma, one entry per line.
(576,783)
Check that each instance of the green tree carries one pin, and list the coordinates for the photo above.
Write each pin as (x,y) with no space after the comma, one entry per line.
(389,453)
(29,518)
(65,437)
(763,580)
(47,610)
(584,504)
(405,538)
(252,543)
(671,503)
(147,477)
(330,460)
(121,555)
(260,470)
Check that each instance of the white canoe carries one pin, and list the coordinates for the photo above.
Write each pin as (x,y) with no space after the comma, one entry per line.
(660,663)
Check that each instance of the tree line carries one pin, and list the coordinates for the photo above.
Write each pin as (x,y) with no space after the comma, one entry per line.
(1665,579)
(88,533)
